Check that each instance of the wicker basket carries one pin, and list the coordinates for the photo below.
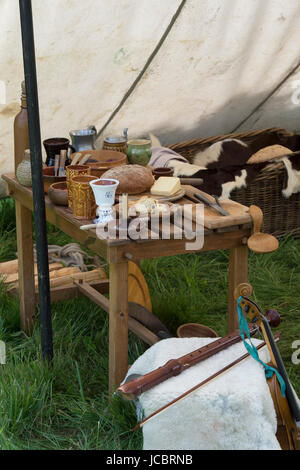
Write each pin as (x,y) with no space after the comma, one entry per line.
(281,216)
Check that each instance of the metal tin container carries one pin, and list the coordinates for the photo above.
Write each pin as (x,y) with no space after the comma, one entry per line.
(84,139)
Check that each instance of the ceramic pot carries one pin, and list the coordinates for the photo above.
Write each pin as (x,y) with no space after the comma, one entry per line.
(23,173)
(139,151)
(158,172)
(195,330)
(21,134)
(50,178)
(58,194)
(71,171)
(54,146)
(83,202)
(110,144)
(119,144)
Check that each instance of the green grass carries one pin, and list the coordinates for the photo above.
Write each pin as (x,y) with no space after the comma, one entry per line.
(66,405)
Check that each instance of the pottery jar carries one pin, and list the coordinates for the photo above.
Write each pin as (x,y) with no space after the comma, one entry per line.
(54,146)
(21,133)
(58,194)
(115,143)
(23,173)
(118,144)
(139,151)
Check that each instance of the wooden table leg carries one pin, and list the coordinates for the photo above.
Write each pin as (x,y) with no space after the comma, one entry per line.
(118,323)
(237,273)
(26,267)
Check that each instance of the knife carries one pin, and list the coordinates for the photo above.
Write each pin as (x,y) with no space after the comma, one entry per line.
(214,205)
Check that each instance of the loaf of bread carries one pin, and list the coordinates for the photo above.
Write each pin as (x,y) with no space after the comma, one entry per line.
(133,179)
(269,153)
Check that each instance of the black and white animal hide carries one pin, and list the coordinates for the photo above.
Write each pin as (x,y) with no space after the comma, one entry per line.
(221,166)
(228,152)
(292,166)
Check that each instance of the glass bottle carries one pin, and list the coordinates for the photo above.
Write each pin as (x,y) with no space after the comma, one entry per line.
(21,133)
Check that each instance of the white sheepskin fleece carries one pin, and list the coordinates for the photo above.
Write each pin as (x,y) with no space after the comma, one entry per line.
(293,185)
(233,412)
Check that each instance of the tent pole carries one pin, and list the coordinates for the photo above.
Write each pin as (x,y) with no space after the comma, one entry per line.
(37,177)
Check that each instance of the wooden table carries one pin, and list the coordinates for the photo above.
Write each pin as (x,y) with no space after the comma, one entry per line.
(116,253)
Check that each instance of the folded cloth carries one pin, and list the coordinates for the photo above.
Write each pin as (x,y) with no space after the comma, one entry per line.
(161,156)
(235,411)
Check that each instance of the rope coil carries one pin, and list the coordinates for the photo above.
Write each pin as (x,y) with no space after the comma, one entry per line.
(69,255)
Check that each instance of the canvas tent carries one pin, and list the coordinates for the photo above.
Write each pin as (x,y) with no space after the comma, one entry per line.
(180,69)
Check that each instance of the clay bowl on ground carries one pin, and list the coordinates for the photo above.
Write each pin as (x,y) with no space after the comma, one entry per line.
(102,160)
(49,178)
(58,193)
(195,330)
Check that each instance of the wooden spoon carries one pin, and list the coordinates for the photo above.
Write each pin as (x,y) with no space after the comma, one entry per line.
(75,157)
(260,242)
(85,158)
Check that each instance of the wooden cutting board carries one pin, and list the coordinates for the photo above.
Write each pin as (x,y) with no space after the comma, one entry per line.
(239,214)
(175,197)
(169,205)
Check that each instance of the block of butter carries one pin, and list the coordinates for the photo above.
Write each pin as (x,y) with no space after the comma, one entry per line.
(166,186)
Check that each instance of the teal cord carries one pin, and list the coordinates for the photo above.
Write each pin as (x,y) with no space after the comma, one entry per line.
(244,330)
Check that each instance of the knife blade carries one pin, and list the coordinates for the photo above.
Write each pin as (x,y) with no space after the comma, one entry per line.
(211,204)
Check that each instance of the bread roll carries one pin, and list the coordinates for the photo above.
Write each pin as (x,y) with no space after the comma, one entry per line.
(133,179)
(269,153)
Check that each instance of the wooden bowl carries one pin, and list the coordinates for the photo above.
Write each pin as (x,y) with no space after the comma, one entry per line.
(102,160)
(195,330)
(49,178)
(58,194)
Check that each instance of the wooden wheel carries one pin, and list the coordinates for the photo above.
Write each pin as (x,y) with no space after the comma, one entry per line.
(138,291)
